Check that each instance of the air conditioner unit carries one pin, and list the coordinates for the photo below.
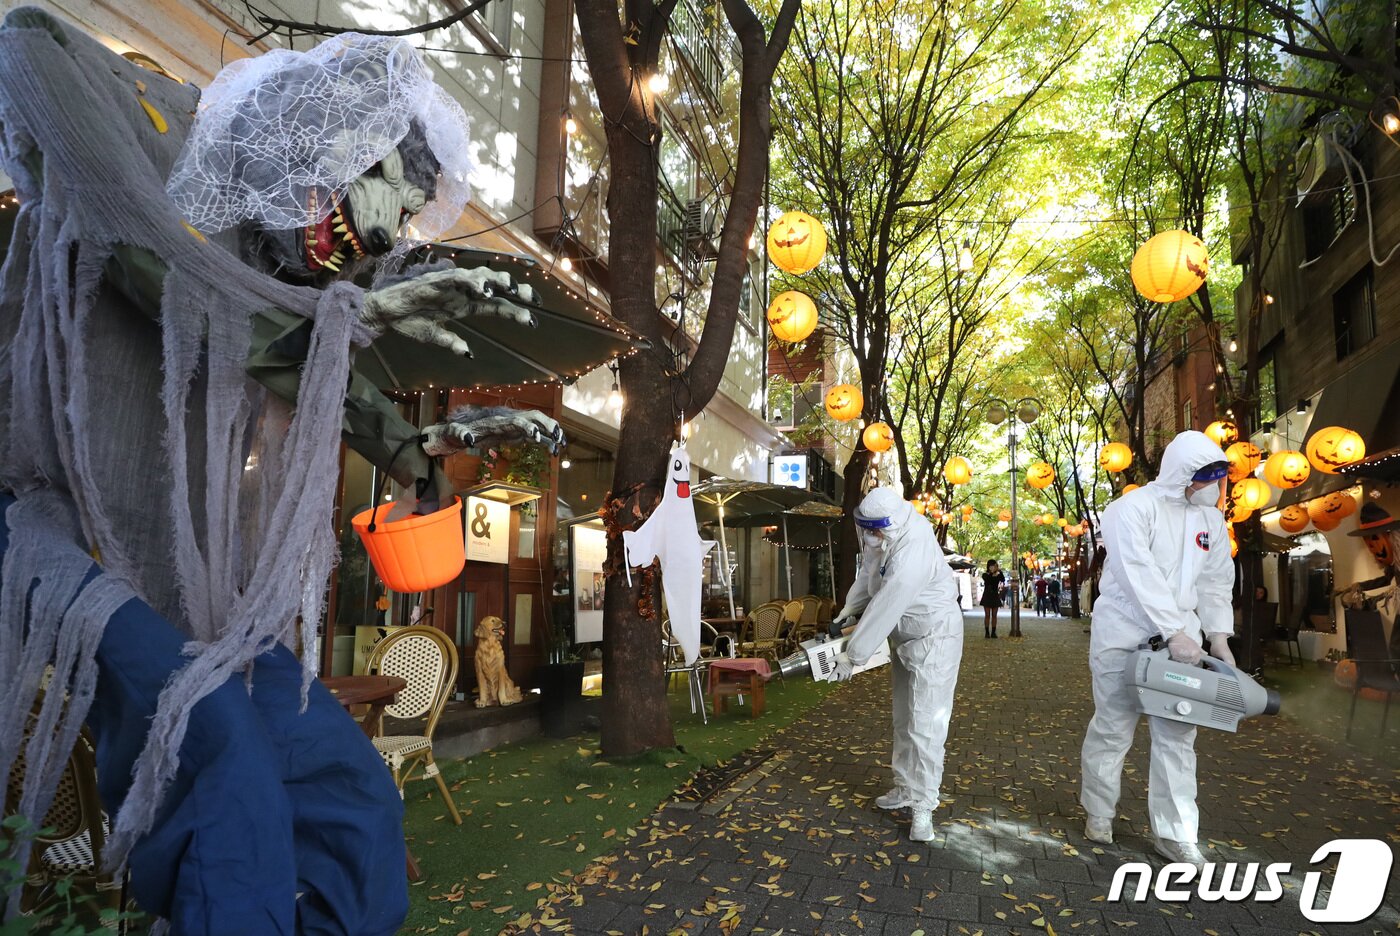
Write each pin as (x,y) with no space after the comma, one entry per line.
(699,230)
(1318,164)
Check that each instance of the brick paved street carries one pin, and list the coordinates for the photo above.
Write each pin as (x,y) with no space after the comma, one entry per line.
(798,846)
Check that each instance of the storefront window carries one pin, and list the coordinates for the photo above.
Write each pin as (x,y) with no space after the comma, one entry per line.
(1310,583)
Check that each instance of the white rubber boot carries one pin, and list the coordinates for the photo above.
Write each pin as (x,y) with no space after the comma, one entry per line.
(1098,829)
(922,830)
(896,798)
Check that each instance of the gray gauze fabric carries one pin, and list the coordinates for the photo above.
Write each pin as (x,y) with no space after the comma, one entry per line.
(203,495)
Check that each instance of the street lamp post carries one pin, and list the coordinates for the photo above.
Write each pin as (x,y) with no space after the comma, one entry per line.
(1027,409)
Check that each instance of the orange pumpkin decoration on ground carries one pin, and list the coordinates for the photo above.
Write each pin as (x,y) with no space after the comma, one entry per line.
(958,471)
(878,437)
(1287,469)
(1244,458)
(844,402)
(1334,447)
(1293,519)
(1170,266)
(1040,475)
(1115,457)
(797,242)
(1223,432)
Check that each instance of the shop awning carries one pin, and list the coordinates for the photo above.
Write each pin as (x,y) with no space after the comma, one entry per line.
(573,336)
(1366,399)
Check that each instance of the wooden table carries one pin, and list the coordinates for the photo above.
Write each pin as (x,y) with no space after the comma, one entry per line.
(378,692)
(743,676)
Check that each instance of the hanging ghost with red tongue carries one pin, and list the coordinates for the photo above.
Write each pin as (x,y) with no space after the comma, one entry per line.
(670,535)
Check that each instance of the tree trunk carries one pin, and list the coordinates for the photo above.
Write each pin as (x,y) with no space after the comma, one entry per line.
(851,494)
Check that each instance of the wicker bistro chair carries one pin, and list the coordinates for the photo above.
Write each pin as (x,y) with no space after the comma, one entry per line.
(763,632)
(75,826)
(428,660)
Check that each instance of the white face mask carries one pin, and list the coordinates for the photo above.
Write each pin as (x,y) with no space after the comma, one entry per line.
(871,539)
(1207,496)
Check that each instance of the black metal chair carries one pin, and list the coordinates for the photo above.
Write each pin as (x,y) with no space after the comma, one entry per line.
(1375,668)
(1289,635)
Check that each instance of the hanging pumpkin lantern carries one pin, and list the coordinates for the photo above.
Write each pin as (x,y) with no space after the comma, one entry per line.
(1223,432)
(1130,488)
(1235,512)
(1328,511)
(1115,457)
(1047,518)
(1287,469)
(797,242)
(844,402)
(792,316)
(1170,266)
(1293,519)
(919,506)
(878,437)
(958,471)
(1061,522)
(967,510)
(1004,515)
(1234,541)
(1075,530)
(1244,458)
(1334,447)
(1040,475)
(1251,493)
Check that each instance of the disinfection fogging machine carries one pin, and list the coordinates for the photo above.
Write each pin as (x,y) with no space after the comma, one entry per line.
(1214,695)
(819,656)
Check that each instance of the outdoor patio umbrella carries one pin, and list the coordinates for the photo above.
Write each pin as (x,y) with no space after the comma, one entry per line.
(807,526)
(572,336)
(732,502)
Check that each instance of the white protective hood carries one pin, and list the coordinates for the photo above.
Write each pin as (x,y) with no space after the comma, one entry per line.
(1185,455)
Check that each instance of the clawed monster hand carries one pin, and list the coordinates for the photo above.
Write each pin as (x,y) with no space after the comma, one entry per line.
(415,308)
(477,426)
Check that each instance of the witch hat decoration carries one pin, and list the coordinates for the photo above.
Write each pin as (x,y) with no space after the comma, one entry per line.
(1373,519)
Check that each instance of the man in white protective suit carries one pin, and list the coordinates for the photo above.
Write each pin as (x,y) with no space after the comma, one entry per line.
(904,591)
(1168,573)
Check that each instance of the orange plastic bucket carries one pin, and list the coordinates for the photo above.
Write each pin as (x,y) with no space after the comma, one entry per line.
(418,552)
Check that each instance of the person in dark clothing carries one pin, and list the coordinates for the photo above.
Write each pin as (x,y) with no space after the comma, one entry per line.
(1053,594)
(993,580)
(1042,595)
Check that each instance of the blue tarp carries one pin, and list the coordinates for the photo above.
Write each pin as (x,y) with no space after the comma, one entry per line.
(268,804)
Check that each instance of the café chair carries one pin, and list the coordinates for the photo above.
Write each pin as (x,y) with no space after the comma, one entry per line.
(428,661)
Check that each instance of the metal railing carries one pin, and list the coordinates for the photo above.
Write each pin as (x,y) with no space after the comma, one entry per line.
(695,39)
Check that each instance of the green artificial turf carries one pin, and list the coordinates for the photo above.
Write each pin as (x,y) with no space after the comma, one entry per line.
(541,810)
(1311,697)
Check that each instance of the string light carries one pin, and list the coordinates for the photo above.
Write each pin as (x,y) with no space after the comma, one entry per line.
(659,82)
(965,257)
(615,397)
(570,124)
(566,265)
(565,464)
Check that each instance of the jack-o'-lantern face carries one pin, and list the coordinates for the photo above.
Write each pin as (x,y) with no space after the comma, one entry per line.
(844,402)
(1243,458)
(1338,504)
(1382,548)
(1040,475)
(1293,519)
(1287,469)
(1334,447)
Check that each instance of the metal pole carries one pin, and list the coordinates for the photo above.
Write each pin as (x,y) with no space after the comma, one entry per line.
(724,561)
(1015,555)
(831,560)
(787,556)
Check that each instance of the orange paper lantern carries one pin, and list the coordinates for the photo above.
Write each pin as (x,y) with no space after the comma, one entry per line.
(1040,475)
(878,437)
(844,402)
(797,242)
(1244,458)
(1004,516)
(1251,493)
(1170,266)
(1293,519)
(1334,447)
(1130,488)
(1115,457)
(1287,469)
(1062,522)
(1223,432)
(1235,512)
(1047,518)
(1328,511)
(958,471)
(1234,541)
(792,316)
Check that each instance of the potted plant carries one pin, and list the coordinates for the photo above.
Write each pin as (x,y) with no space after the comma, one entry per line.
(561,685)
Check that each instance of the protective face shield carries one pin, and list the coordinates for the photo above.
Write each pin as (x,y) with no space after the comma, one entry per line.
(873,531)
(1208,495)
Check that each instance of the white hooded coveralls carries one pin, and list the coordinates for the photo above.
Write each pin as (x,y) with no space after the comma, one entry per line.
(1168,569)
(904,591)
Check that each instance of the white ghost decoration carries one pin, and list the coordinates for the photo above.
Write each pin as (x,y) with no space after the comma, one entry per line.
(670,535)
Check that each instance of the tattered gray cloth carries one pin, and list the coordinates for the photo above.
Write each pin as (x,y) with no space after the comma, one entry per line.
(141,437)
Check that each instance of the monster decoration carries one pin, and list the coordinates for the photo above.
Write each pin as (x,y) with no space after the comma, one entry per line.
(878,437)
(1040,475)
(958,471)
(1170,266)
(796,242)
(1333,448)
(1244,458)
(1381,533)
(669,535)
(1287,469)
(1115,457)
(792,316)
(844,402)
(1293,519)
(1223,433)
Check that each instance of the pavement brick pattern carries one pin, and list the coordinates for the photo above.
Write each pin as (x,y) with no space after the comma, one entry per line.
(798,846)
